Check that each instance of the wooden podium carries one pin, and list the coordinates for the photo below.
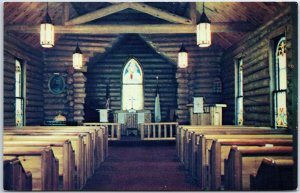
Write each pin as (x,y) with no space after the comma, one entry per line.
(103,115)
(212,115)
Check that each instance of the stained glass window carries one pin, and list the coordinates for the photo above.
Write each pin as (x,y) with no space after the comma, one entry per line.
(132,89)
(239,94)
(279,97)
(19,105)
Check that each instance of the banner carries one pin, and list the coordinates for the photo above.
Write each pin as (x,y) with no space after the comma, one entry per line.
(157,113)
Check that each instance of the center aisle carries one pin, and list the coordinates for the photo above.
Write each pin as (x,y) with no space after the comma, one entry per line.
(141,168)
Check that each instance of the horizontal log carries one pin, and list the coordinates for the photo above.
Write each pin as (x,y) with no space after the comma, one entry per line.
(262,74)
(257,117)
(79,85)
(137,29)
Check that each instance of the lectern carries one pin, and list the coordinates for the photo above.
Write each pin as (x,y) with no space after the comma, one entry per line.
(103,115)
(212,114)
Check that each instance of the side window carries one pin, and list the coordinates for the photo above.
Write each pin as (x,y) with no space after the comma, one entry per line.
(217,85)
(132,88)
(239,117)
(19,93)
(280,80)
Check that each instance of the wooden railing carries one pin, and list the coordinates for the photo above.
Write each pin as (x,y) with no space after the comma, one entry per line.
(113,129)
(158,131)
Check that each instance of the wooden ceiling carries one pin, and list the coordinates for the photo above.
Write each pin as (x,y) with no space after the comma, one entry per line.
(243,15)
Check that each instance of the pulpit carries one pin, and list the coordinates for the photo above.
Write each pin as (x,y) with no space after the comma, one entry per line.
(103,115)
(131,119)
(211,115)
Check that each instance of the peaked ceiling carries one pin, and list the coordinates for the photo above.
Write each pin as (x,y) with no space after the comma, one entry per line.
(230,20)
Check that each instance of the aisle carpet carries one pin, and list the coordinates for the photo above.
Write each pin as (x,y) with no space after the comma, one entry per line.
(141,168)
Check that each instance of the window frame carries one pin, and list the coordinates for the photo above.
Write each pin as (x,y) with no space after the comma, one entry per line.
(142,83)
(22,96)
(238,95)
(275,81)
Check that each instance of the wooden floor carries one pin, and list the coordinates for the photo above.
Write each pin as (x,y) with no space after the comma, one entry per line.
(143,167)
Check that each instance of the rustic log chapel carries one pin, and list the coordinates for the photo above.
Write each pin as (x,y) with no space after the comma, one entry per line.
(150,96)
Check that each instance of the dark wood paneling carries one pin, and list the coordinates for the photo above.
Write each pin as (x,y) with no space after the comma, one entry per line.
(255,51)
(32,58)
(111,68)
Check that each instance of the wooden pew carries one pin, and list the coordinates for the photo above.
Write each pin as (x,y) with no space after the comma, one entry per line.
(87,137)
(180,132)
(40,162)
(191,140)
(242,161)
(77,144)
(220,149)
(274,174)
(100,136)
(15,176)
(62,150)
(204,142)
(97,133)
(105,132)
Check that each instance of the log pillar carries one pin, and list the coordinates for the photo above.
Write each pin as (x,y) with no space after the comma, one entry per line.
(79,96)
(182,78)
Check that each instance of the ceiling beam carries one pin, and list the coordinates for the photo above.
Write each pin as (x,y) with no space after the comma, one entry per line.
(137,29)
(98,14)
(66,12)
(193,12)
(159,13)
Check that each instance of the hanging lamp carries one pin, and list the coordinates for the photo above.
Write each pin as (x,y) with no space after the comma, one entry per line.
(47,31)
(182,57)
(77,58)
(203,31)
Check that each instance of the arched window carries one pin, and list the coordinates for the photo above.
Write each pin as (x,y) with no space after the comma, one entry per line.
(280,107)
(132,87)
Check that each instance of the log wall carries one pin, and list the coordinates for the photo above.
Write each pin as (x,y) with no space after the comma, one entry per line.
(255,51)
(13,48)
(197,79)
(58,60)
(111,67)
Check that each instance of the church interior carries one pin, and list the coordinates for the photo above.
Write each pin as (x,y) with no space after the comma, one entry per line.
(150,96)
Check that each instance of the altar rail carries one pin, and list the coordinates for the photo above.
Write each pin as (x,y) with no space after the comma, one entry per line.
(158,131)
(113,129)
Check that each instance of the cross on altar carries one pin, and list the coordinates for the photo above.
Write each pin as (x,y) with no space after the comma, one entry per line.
(132,99)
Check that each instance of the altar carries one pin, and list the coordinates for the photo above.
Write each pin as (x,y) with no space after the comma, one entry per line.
(131,120)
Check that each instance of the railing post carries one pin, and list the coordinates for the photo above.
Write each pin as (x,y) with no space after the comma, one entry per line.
(148,134)
(112,131)
(165,130)
(118,131)
(154,134)
(142,131)
(159,131)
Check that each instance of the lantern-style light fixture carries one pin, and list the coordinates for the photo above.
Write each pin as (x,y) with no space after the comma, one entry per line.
(77,58)
(47,31)
(182,57)
(203,31)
